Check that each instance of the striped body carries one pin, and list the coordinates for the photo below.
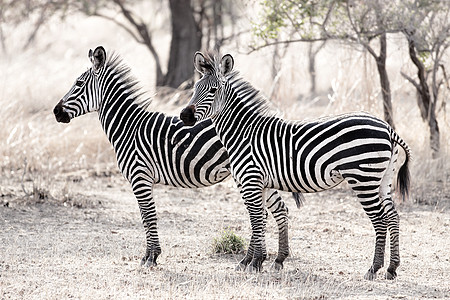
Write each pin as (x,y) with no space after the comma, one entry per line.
(172,154)
(268,152)
(152,148)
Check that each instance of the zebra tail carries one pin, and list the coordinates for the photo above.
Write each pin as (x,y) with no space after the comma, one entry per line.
(403,177)
(299,199)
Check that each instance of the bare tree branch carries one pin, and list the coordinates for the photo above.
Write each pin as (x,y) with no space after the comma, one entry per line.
(411,80)
(253,48)
(120,24)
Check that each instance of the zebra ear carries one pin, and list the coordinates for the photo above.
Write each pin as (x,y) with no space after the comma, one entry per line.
(199,62)
(98,57)
(226,64)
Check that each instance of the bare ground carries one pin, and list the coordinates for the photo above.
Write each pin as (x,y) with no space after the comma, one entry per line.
(90,246)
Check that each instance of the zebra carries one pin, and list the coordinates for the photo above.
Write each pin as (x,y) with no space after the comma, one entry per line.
(151,147)
(266,151)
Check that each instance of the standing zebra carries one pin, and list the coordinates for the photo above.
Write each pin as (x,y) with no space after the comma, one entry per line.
(152,148)
(268,152)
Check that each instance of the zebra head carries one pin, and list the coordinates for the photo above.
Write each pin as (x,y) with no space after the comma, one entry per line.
(208,91)
(84,96)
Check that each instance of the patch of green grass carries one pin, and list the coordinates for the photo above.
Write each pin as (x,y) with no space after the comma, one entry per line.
(228,243)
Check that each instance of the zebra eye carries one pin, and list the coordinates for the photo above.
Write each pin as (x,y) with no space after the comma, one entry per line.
(79,83)
(213,90)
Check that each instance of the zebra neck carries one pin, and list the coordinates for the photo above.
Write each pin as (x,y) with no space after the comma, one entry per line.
(234,122)
(120,120)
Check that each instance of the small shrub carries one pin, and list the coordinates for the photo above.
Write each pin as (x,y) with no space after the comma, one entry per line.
(228,243)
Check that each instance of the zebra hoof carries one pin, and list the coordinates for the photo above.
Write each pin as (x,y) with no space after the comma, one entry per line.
(276,266)
(148,262)
(144,261)
(391,275)
(255,266)
(253,269)
(240,267)
(370,275)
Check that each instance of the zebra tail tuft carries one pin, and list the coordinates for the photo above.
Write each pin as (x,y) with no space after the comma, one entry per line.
(299,199)
(403,177)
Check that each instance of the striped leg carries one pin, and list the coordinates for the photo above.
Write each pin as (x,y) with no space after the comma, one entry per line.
(393,226)
(248,256)
(380,244)
(378,205)
(252,194)
(391,217)
(279,211)
(143,190)
(386,218)
(369,197)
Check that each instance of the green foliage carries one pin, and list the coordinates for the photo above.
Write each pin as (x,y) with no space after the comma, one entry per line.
(355,22)
(228,243)
(287,15)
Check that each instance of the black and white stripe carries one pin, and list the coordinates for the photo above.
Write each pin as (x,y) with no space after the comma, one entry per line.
(151,147)
(268,152)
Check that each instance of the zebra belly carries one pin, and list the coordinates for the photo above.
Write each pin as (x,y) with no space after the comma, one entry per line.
(316,156)
(182,156)
(302,185)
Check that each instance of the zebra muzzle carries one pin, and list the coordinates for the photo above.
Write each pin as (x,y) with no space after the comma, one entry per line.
(60,114)
(187,115)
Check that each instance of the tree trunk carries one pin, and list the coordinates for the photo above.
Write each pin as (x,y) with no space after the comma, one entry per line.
(312,68)
(312,54)
(186,39)
(427,105)
(217,24)
(434,135)
(384,82)
(144,33)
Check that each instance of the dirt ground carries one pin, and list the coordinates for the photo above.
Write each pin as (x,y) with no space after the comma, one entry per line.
(90,247)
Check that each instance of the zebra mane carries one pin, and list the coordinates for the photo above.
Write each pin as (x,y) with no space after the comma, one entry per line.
(115,64)
(212,61)
(248,94)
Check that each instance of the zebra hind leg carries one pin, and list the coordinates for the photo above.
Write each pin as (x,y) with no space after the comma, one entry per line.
(368,196)
(377,203)
(386,219)
(393,226)
(380,244)
(279,211)
(391,217)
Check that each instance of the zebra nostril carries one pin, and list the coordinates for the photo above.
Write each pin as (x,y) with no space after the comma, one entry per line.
(56,110)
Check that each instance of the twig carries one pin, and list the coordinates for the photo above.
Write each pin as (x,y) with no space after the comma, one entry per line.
(23,177)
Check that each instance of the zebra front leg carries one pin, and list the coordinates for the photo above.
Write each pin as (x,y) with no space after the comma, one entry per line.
(242,266)
(249,255)
(143,190)
(279,211)
(252,195)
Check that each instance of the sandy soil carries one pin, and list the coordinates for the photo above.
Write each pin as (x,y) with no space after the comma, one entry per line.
(90,247)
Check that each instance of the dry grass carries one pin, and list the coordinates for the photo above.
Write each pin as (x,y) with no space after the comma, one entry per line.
(56,252)
(71,227)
